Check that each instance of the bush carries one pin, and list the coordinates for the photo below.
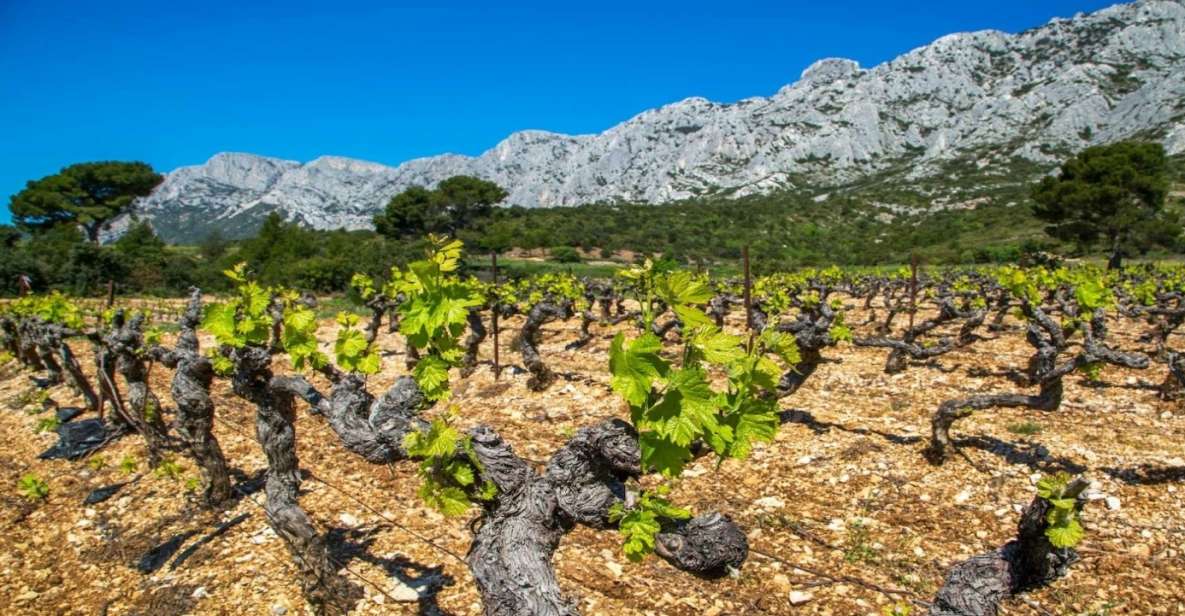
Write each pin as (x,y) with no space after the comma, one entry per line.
(565,254)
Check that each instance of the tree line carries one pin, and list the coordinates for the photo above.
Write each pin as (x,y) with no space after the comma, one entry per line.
(1110,200)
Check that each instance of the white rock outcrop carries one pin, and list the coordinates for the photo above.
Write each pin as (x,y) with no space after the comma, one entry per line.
(983,96)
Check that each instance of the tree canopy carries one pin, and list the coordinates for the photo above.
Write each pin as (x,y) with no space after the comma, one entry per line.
(1114,194)
(86,194)
(455,204)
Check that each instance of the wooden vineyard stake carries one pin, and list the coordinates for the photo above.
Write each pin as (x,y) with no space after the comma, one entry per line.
(748,296)
(748,290)
(913,288)
(494,318)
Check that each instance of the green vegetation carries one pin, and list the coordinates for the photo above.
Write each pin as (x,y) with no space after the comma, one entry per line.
(168,469)
(47,424)
(1112,195)
(1026,428)
(1064,530)
(33,488)
(641,523)
(128,464)
(457,203)
(86,194)
(984,216)
(857,548)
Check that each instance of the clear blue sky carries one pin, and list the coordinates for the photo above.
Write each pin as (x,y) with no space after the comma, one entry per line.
(173,82)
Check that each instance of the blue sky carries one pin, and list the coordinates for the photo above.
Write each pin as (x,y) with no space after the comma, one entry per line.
(173,82)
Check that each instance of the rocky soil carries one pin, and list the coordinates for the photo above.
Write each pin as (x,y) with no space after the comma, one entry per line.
(843,513)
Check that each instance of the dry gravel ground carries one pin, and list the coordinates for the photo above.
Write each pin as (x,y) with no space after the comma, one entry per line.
(844,491)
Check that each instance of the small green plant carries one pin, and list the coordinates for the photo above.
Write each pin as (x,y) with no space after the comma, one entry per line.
(899,608)
(33,488)
(128,464)
(151,412)
(1026,428)
(97,463)
(448,472)
(32,401)
(5,357)
(168,469)
(642,523)
(1093,371)
(48,424)
(1064,529)
(192,484)
(856,546)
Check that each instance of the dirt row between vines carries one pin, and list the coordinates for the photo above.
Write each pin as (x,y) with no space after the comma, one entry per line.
(843,491)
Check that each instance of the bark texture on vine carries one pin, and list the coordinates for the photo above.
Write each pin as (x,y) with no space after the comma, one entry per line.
(520,529)
(975,587)
(909,347)
(477,335)
(707,545)
(125,345)
(529,338)
(274,398)
(1174,382)
(812,332)
(190,388)
(374,428)
(1044,370)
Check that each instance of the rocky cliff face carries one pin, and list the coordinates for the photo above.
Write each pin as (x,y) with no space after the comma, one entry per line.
(988,99)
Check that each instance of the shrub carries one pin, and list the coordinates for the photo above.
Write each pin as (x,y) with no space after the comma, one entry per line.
(565,254)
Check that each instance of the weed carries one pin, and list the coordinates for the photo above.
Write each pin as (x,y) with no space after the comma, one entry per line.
(33,488)
(168,469)
(48,424)
(1027,428)
(129,464)
(97,463)
(856,547)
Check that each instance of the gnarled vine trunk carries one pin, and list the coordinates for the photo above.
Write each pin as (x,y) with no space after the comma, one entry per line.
(1049,341)
(143,409)
(528,341)
(975,587)
(274,400)
(511,553)
(192,376)
(477,335)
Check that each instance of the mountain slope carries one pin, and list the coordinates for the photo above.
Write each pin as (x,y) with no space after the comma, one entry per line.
(996,107)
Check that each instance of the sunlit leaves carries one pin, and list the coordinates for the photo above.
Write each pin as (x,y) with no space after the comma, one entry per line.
(682,288)
(433,313)
(299,338)
(448,469)
(431,374)
(243,319)
(636,366)
(439,441)
(219,320)
(640,524)
(1064,529)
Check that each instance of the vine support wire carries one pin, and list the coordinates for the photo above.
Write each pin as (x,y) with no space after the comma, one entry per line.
(338,565)
(316,477)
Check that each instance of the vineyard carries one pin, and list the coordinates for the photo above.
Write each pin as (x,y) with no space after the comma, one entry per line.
(948,441)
